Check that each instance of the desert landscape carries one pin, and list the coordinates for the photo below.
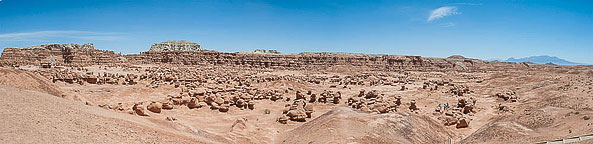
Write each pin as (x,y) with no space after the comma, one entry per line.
(179,92)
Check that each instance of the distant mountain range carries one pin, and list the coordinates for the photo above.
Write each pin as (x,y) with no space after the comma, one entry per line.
(539,60)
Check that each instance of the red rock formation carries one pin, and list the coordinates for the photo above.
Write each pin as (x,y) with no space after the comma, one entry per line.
(86,55)
(59,54)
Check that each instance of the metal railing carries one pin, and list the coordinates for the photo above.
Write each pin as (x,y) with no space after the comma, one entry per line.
(570,140)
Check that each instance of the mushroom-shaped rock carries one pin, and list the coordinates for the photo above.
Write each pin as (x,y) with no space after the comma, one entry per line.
(336,100)
(185,100)
(297,115)
(413,106)
(283,119)
(201,98)
(224,108)
(381,109)
(240,103)
(285,110)
(313,98)
(251,105)
(167,105)
(193,103)
(214,106)
(299,95)
(364,108)
(202,104)
(462,123)
(154,107)
(177,101)
(467,109)
(308,110)
(461,103)
(210,99)
(219,101)
(361,93)
(139,110)
(450,120)
(246,97)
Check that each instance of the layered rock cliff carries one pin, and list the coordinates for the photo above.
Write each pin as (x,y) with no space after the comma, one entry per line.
(86,46)
(303,60)
(59,54)
(72,54)
(176,46)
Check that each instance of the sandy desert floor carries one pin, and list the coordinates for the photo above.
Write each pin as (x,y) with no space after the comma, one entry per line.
(236,105)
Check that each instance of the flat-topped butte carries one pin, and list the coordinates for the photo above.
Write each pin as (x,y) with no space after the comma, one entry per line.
(173,45)
(59,46)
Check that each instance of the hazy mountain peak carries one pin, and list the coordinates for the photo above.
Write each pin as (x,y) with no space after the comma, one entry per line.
(542,59)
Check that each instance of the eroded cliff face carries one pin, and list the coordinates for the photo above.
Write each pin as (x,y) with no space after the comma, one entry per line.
(86,46)
(59,54)
(287,61)
(173,45)
(72,54)
(312,61)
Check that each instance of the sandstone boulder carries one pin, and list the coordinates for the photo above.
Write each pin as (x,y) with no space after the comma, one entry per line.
(297,115)
(468,109)
(413,106)
(283,119)
(251,105)
(449,120)
(139,110)
(462,123)
(299,95)
(154,107)
(381,109)
(167,105)
(308,110)
(214,106)
(193,103)
(224,108)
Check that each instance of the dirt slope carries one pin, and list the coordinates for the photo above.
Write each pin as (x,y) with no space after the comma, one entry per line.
(344,125)
(27,80)
(34,117)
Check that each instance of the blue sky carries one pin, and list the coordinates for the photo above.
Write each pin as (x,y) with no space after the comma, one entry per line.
(473,28)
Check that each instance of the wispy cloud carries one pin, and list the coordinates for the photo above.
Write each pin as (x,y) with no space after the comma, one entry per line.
(471,4)
(47,35)
(442,12)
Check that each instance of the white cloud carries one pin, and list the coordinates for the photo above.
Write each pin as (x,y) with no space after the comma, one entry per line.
(442,12)
(45,35)
(471,4)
